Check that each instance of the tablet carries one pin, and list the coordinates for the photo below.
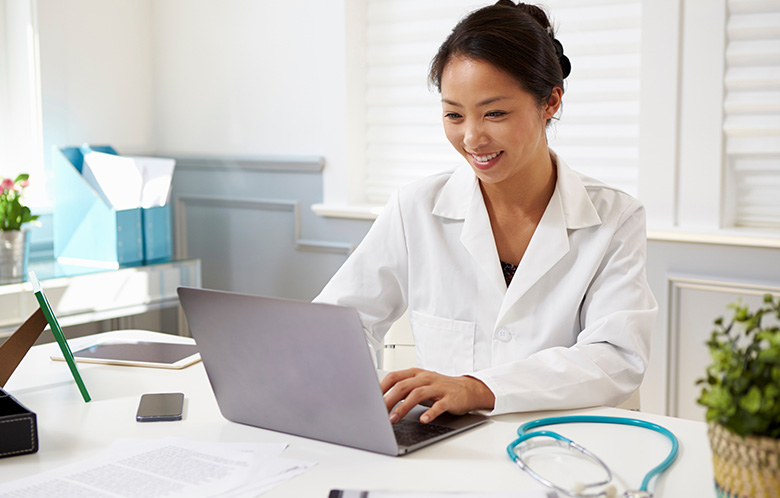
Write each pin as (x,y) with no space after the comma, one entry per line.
(139,354)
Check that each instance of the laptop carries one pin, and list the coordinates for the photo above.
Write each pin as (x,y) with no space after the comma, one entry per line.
(304,369)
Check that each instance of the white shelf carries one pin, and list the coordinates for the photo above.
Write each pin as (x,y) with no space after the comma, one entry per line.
(85,295)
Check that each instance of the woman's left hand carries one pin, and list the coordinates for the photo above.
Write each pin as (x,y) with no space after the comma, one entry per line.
(457,395)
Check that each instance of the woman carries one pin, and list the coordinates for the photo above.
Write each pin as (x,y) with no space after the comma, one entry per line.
(524,280)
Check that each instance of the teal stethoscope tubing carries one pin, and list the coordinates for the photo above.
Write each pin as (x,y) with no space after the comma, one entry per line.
(657,470)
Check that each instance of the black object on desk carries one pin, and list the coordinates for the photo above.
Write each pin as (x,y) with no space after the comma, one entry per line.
(18,427)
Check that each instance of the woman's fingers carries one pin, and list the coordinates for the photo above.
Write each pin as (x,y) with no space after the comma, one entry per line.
(406,388)
(394,377)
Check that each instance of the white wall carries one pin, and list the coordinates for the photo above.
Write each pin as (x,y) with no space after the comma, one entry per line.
(97,81)
(242,77)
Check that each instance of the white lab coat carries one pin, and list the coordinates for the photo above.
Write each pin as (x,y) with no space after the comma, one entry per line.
(571,330)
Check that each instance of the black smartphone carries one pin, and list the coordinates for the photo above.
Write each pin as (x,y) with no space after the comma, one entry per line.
(160,407)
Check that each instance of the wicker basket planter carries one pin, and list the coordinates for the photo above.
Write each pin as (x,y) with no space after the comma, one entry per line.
(745,467)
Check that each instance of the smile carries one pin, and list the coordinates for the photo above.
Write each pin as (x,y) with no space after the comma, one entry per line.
(484,160)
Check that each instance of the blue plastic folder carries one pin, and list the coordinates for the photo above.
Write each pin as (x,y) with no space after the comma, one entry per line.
(88,230)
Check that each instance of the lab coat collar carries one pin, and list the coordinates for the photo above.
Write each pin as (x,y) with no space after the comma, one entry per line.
(570,208)
(578,210)
(461,199)
(452,202)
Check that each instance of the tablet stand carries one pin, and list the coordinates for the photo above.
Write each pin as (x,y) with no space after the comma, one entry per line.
(15,347)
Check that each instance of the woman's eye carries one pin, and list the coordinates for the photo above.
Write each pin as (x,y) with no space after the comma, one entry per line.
(496,114)
(451,115)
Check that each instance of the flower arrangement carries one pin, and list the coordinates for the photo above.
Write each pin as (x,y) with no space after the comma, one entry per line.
(13,214)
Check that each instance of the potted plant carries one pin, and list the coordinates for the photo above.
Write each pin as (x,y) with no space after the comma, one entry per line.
(13,214)
(742,394)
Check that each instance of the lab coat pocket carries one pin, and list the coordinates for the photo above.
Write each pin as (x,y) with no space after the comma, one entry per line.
(443,345)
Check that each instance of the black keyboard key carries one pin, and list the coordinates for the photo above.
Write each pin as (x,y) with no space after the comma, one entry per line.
(409,431)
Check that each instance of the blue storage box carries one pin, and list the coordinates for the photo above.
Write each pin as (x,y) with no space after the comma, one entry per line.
(88,230)
(158,246)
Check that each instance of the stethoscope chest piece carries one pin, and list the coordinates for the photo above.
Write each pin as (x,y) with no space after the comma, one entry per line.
(637,494)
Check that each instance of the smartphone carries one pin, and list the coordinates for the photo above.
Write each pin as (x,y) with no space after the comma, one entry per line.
(160,407)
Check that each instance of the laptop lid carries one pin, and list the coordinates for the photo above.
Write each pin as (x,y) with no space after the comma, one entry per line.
(295,367)
(298,368)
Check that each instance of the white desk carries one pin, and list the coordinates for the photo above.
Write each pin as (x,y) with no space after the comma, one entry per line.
(70,430)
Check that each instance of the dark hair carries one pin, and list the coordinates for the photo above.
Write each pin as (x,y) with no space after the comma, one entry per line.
(517,39)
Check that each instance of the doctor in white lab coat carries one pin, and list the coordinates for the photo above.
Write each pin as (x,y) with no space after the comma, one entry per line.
(525,281)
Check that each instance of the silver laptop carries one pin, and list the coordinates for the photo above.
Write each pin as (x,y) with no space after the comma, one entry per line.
(304,369)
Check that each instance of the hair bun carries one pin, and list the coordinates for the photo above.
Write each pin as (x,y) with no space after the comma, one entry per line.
(539,15)
(562,59)
(565,66)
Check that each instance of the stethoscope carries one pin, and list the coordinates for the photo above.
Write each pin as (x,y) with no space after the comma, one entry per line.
(523,443)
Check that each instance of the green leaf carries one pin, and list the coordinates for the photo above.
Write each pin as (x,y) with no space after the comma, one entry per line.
(718,398)
(25,216)
(744,423)
(769,355)
(752,402)
(22,177)
(14,215)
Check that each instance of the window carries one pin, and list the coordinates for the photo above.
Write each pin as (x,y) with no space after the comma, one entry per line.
(21,149)
(751,124)
(404,136)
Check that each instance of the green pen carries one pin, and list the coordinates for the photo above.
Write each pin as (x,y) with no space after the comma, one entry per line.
(57,333)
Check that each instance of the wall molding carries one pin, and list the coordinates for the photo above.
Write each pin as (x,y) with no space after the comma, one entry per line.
(286,164)
(181,202)
(725,238)
(677,285)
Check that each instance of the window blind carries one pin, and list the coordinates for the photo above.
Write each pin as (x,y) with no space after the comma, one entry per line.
(752,112)
(598,130)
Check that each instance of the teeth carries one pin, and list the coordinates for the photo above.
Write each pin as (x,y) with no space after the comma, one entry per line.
(484,159)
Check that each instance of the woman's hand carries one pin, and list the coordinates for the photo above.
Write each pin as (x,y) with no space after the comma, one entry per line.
(457,395)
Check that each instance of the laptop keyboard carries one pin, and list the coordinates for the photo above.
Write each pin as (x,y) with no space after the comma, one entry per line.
(409,432)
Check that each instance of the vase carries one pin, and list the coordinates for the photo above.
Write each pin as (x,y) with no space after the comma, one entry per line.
(744,467)
(13,256)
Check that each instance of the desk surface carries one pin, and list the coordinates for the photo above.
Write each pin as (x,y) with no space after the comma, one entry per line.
(70,430)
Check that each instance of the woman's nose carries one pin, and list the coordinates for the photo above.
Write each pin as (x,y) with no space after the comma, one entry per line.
(475,135)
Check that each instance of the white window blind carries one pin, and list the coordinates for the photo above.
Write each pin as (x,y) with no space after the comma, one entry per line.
(404,136)
(599,126)
(598,131)
(752,112)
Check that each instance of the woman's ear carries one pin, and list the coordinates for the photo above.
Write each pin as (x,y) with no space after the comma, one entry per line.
(553,103)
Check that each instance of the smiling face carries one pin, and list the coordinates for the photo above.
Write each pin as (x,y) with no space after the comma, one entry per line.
(497,126)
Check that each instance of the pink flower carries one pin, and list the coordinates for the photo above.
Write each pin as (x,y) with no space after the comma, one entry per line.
(24,183)
(7,184)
